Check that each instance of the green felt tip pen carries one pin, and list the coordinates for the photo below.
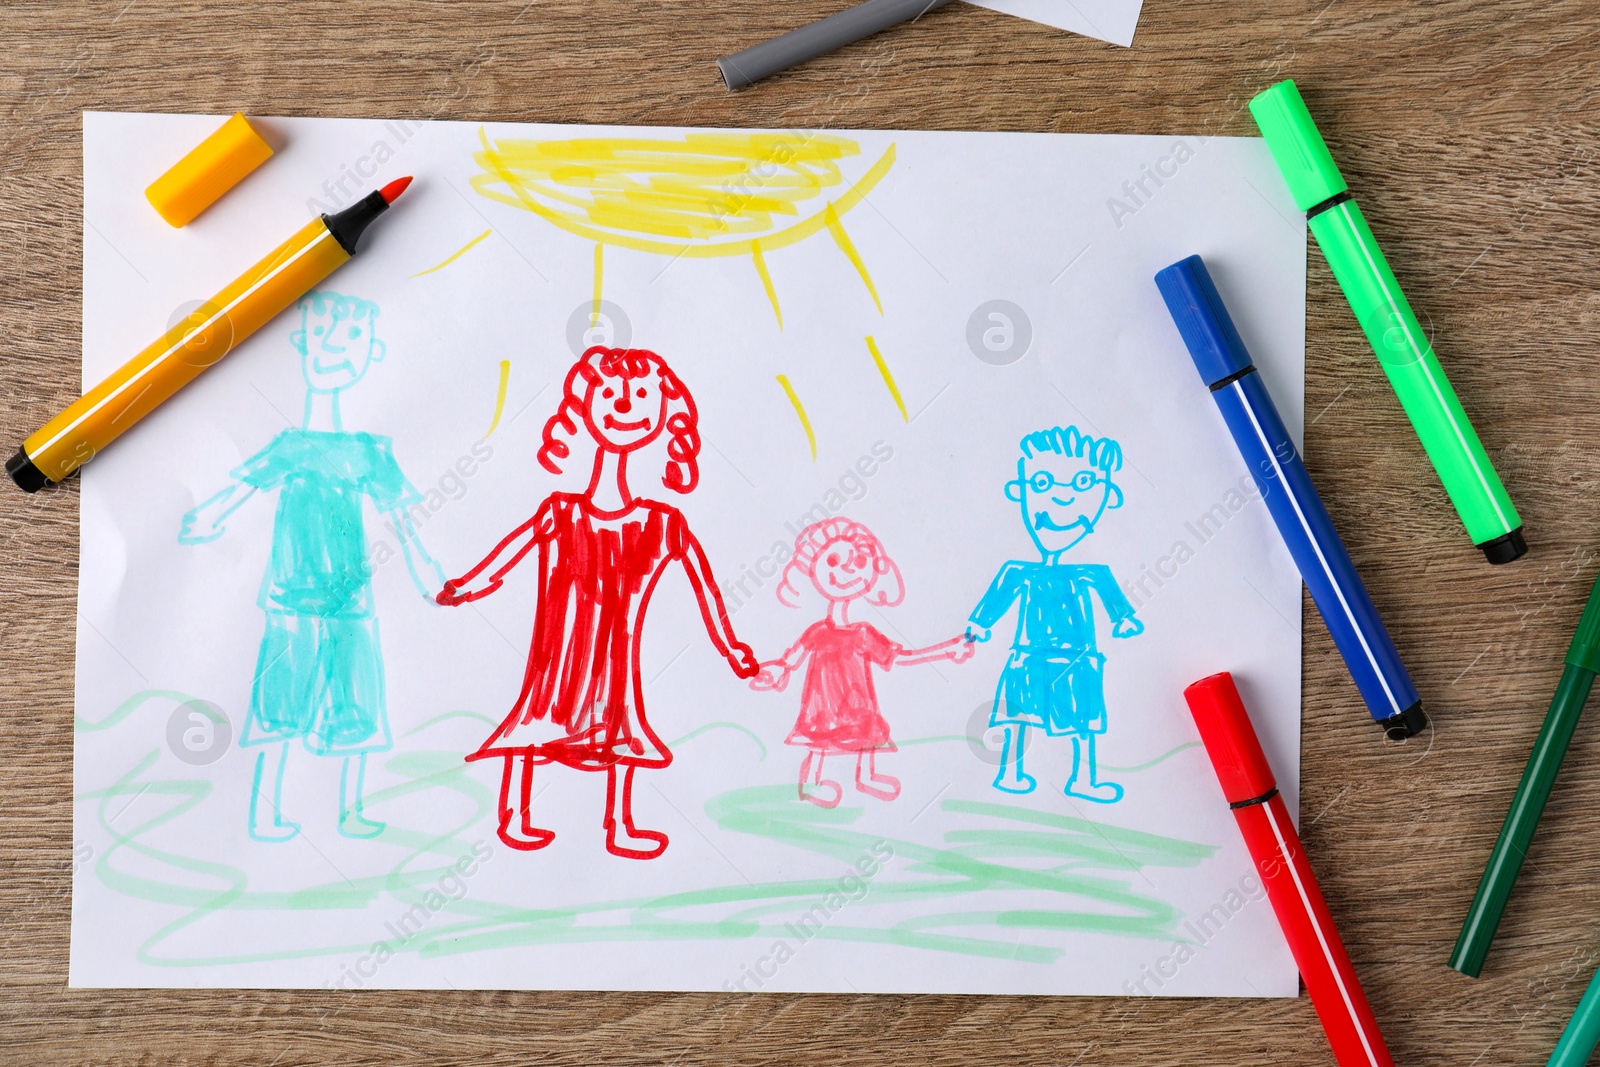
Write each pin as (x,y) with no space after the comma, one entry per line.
(1391,328)
(1582,1034)
(1511,847)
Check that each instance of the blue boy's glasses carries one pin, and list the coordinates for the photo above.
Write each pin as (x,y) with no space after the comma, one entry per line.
(1082,481)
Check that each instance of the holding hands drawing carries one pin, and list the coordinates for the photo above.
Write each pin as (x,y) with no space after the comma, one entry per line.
(772,677)
(742,658)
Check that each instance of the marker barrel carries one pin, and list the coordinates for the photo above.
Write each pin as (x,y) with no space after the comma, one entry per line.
(1582,1035)
(1430,402)
(1307,924)
(170,362)
(837,30)
(1325,564)
(1522,820)
(1319,189)
(1274,846)
(1533,792)
(1292,501)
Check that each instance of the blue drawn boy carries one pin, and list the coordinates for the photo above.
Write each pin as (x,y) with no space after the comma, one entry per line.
(319,675)
(1053,678)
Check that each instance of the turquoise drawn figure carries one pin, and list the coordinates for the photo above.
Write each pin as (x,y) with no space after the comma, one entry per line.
(319,675)
(1053,679)
(846,564)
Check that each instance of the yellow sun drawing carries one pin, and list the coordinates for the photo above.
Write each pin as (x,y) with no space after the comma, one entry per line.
(695,195)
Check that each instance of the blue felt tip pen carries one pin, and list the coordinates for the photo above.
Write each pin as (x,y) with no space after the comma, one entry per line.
(1225,366)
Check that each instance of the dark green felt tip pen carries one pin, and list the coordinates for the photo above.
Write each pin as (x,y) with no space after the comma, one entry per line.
(1511,847)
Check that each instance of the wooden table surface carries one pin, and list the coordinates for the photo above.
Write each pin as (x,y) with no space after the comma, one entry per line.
(1469,130)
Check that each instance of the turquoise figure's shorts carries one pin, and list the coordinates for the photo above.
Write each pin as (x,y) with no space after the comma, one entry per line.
(1059,689)
(319,678)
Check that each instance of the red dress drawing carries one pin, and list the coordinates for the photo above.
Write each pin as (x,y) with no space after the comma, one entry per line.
(600,554)
(581,702)
(838,702)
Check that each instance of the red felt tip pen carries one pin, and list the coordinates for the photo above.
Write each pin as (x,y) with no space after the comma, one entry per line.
(1252,793)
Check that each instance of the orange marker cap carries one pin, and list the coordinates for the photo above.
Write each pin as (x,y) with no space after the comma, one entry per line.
(215,165)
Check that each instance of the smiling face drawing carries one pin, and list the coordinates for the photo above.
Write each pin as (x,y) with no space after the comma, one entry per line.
(844,570)
(625,413)
(336,340)
(1062,498)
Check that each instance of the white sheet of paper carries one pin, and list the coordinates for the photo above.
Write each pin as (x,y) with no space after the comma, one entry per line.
(1106,20)
(951,886)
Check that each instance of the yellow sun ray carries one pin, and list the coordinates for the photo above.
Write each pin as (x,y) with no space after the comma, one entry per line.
(888,379)
(457,254)
(499,397)
(848,247)
(599,265)
(766,279)
(799,409)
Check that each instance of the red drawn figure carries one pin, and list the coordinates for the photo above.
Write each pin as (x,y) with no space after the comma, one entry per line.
(600,555)
(845,562)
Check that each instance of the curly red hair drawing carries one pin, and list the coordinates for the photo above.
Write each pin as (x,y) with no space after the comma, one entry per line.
(621,372)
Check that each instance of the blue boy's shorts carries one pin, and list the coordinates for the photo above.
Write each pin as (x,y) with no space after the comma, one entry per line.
(1061,690)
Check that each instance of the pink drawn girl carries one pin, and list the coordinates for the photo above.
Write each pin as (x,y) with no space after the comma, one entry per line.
(845,562)
(600,555)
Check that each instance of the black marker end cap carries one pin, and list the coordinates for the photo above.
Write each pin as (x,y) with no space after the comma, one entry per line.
(28,477)
(1505,548)
(1408,723)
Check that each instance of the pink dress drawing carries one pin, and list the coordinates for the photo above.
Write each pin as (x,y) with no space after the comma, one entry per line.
(839,714)
(838,701)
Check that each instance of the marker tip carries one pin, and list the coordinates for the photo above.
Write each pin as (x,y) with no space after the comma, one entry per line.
(392,191)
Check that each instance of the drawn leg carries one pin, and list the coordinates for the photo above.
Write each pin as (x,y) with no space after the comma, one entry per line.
(813,787)
(622,837)
(1012,778)
(1083,767)
(516,793)
(882,786)
(352,787)
(266,796)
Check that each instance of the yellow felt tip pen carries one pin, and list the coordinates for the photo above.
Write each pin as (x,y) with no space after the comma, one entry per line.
(285,274)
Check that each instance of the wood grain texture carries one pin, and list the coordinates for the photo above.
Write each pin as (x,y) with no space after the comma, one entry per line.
(1469,130)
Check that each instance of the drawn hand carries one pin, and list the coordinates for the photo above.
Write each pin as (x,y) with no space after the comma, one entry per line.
(979,634)
(774,676)
(453,593)
(743,659)
(193,533)
(964,651)
(1127,627)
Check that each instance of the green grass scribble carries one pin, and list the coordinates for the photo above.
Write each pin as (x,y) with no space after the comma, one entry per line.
(1080,876)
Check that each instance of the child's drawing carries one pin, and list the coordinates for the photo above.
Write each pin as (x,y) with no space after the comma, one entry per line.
(1054,678)
(589,780)
(846,563)
(319,673)
(601,553)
